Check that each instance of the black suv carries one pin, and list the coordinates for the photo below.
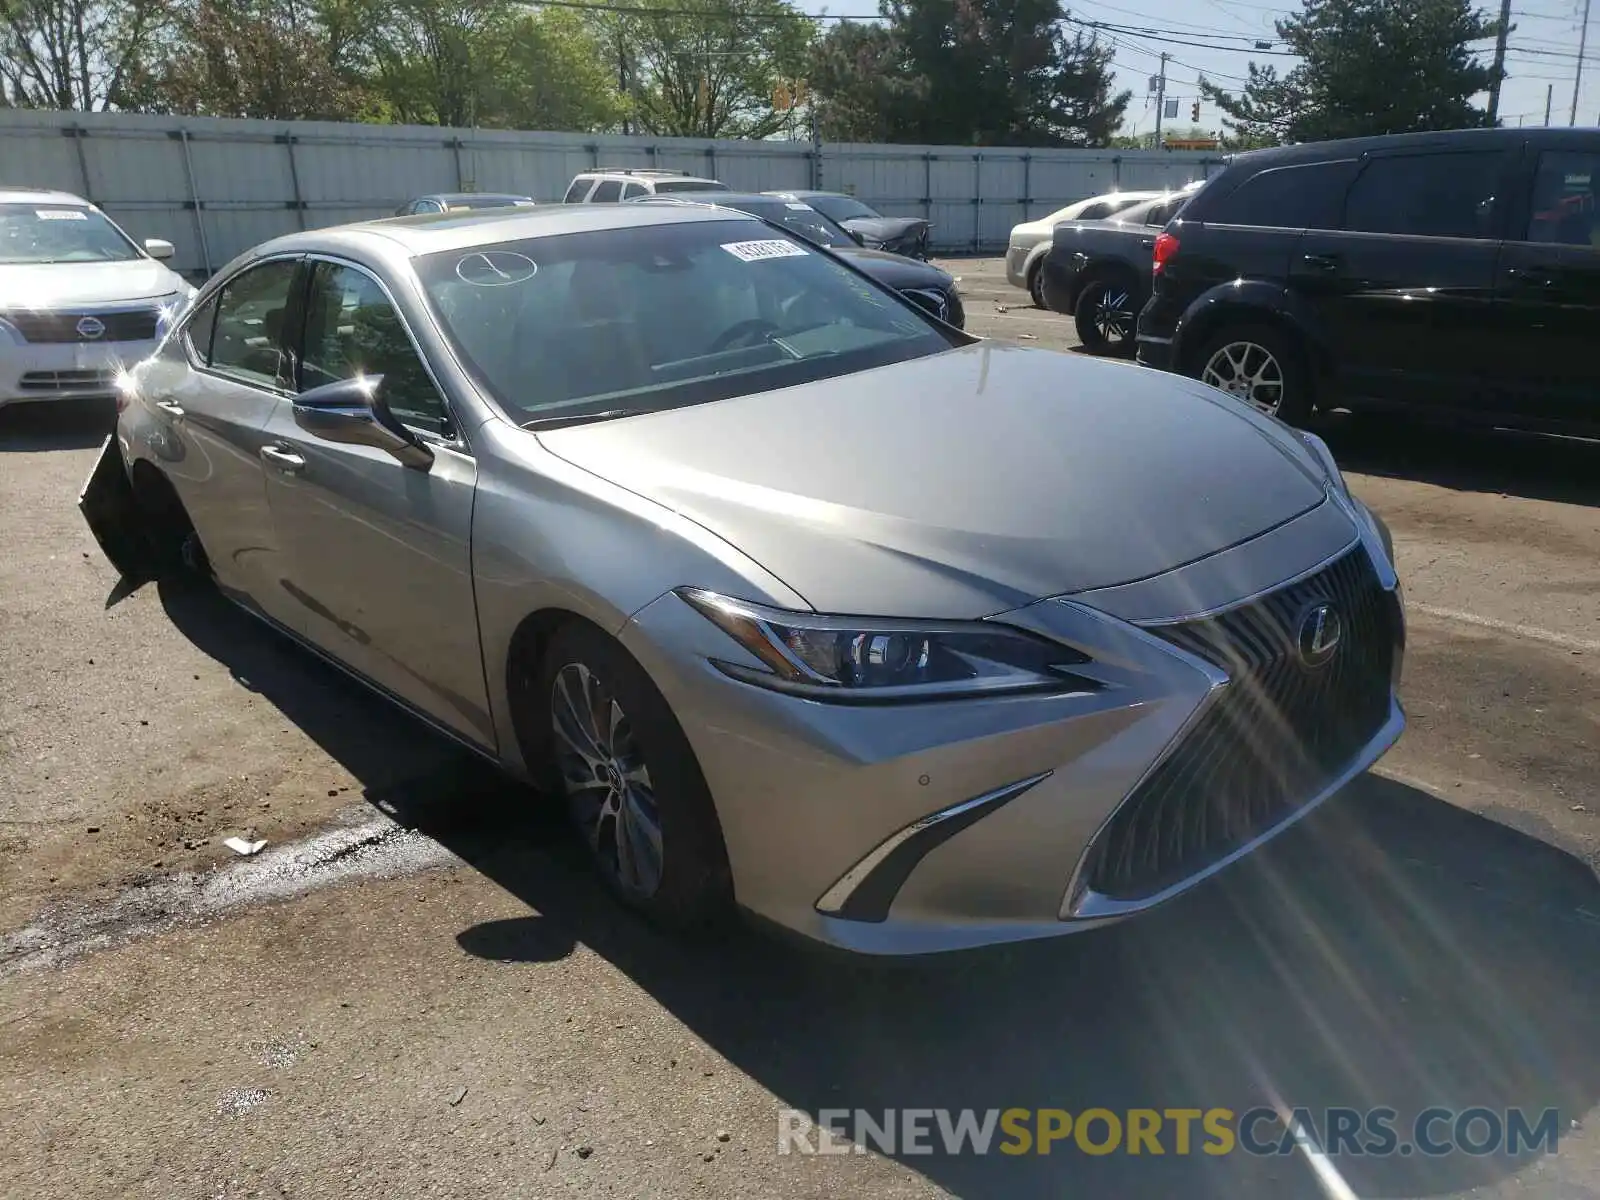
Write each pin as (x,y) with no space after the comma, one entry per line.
(1446,274)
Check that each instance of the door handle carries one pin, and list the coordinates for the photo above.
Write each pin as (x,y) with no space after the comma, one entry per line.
(1147,243)
(1322,262)
(286,461)
(1539,277)
(170,408)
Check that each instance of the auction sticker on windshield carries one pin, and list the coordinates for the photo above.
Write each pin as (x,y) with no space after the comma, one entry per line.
(60,214)
(756,251)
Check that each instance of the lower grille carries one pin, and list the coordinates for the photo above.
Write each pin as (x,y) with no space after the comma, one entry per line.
(67,381)
(127,325)
(1272,738)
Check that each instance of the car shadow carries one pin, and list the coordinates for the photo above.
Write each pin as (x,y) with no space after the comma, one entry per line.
(1565,470)
(56,425)
(1392,951)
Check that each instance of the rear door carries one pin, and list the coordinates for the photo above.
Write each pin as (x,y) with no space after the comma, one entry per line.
(1547,296)
(1403,289)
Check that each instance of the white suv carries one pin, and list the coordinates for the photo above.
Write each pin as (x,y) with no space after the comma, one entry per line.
(609,185)
(79,299)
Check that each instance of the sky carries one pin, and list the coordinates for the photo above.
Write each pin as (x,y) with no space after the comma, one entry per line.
(1542,52)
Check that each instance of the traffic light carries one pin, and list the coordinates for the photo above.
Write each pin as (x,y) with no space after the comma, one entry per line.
(1194,113)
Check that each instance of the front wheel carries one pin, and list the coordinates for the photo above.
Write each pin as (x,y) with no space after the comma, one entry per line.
(1105,316)
(1259,365)
(633,788)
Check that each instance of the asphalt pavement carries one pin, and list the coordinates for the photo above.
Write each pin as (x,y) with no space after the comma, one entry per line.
(416,989)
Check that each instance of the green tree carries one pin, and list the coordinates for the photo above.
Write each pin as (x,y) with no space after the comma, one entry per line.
(437,62)
(1367,67)
(969,72)
(712,74)
(75,54)
(556,77)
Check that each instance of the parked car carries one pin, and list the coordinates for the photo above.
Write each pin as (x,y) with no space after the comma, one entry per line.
(924,284)
(1030,241)
(1098,272)
(79,299)
(462,202)
(596,490)
(609,185)
(898,235)
(1450,275)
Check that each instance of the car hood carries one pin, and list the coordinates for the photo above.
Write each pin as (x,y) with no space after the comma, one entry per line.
(883,229)
(51,285)
(962,484)
(896,270)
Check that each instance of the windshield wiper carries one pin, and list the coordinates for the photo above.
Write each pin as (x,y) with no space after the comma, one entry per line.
(582,418)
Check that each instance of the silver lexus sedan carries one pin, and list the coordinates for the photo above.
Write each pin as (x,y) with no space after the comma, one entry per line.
(802,601)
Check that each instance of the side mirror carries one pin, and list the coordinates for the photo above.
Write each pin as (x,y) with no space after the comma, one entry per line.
(158,248)
(353,411)
(856,237)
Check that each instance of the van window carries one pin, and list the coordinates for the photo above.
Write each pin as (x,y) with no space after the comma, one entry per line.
(1566,199)
(609,191)
(578,190)
(1426,195)
(1306,196)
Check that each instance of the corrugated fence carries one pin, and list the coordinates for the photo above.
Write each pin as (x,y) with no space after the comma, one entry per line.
(217,187)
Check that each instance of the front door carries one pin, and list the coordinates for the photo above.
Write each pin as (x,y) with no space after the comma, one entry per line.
(378,555)
(1404,289)
(1548,296)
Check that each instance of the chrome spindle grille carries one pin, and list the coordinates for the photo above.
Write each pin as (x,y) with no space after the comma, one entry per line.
(1270,740)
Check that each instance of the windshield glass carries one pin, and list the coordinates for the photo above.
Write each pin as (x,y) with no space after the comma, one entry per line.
(459,202)
(840,208)
(798,218)
(663,315)
(58,233)
(663,186)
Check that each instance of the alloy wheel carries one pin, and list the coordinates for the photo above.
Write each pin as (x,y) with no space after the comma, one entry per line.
(1113,318)
(608,787)
(1248,371)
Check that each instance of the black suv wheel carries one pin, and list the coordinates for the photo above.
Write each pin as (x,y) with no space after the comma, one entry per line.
(1259,365)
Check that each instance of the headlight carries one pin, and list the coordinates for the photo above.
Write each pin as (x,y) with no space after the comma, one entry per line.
(863,660)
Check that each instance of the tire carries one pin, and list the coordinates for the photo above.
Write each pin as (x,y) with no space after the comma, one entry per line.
(1269,369)
(1036,285)
(1105,315)
(635,787)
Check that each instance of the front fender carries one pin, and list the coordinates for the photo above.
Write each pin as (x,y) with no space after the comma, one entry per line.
(1255,300)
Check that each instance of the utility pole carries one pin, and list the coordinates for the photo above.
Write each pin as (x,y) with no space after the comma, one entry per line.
(1577,72)
(1161,96)
(1499,61)
(1549,95)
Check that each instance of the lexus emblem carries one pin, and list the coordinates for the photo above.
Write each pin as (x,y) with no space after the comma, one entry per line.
(1318,636)
(90,327)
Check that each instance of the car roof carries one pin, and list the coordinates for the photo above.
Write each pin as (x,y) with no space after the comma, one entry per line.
(804,193)
(641,174)
(682,197)
(409,237)
(1355,147)
(452,197)
(28,195)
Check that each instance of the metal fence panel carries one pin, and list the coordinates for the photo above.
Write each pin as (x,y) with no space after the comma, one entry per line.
(217,187)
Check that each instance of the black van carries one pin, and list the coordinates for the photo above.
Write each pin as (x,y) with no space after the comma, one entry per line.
(1449,274)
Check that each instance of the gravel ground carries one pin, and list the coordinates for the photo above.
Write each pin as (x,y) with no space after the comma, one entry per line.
(417,991)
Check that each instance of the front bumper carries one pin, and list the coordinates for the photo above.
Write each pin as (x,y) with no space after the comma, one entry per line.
(35,372)
(1017,266)
(913,829)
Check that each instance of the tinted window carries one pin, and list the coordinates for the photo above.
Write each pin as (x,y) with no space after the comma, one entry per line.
(1097,212)
(608,191)
(663,186)
(248,341)
(1566,199)
(632,190)
(578,190)
(839,208)
(1301,197)
(1162,213)
(352,330)
(1426,195)
(198,330)
(664,315)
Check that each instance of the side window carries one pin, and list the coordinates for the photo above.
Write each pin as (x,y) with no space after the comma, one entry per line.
(578,190)
(1162,213)
(632,190)
(429,206)
(609,191)
(1097,212)
(351,330)
(1300,197)
(1426,195)
(198,331)
(1566,199)
(248,340)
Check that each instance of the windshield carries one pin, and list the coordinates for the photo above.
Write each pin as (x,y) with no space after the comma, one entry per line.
(663,315)
(663,186)
(798,218)
(60,233)
(840,208)
(454,203)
